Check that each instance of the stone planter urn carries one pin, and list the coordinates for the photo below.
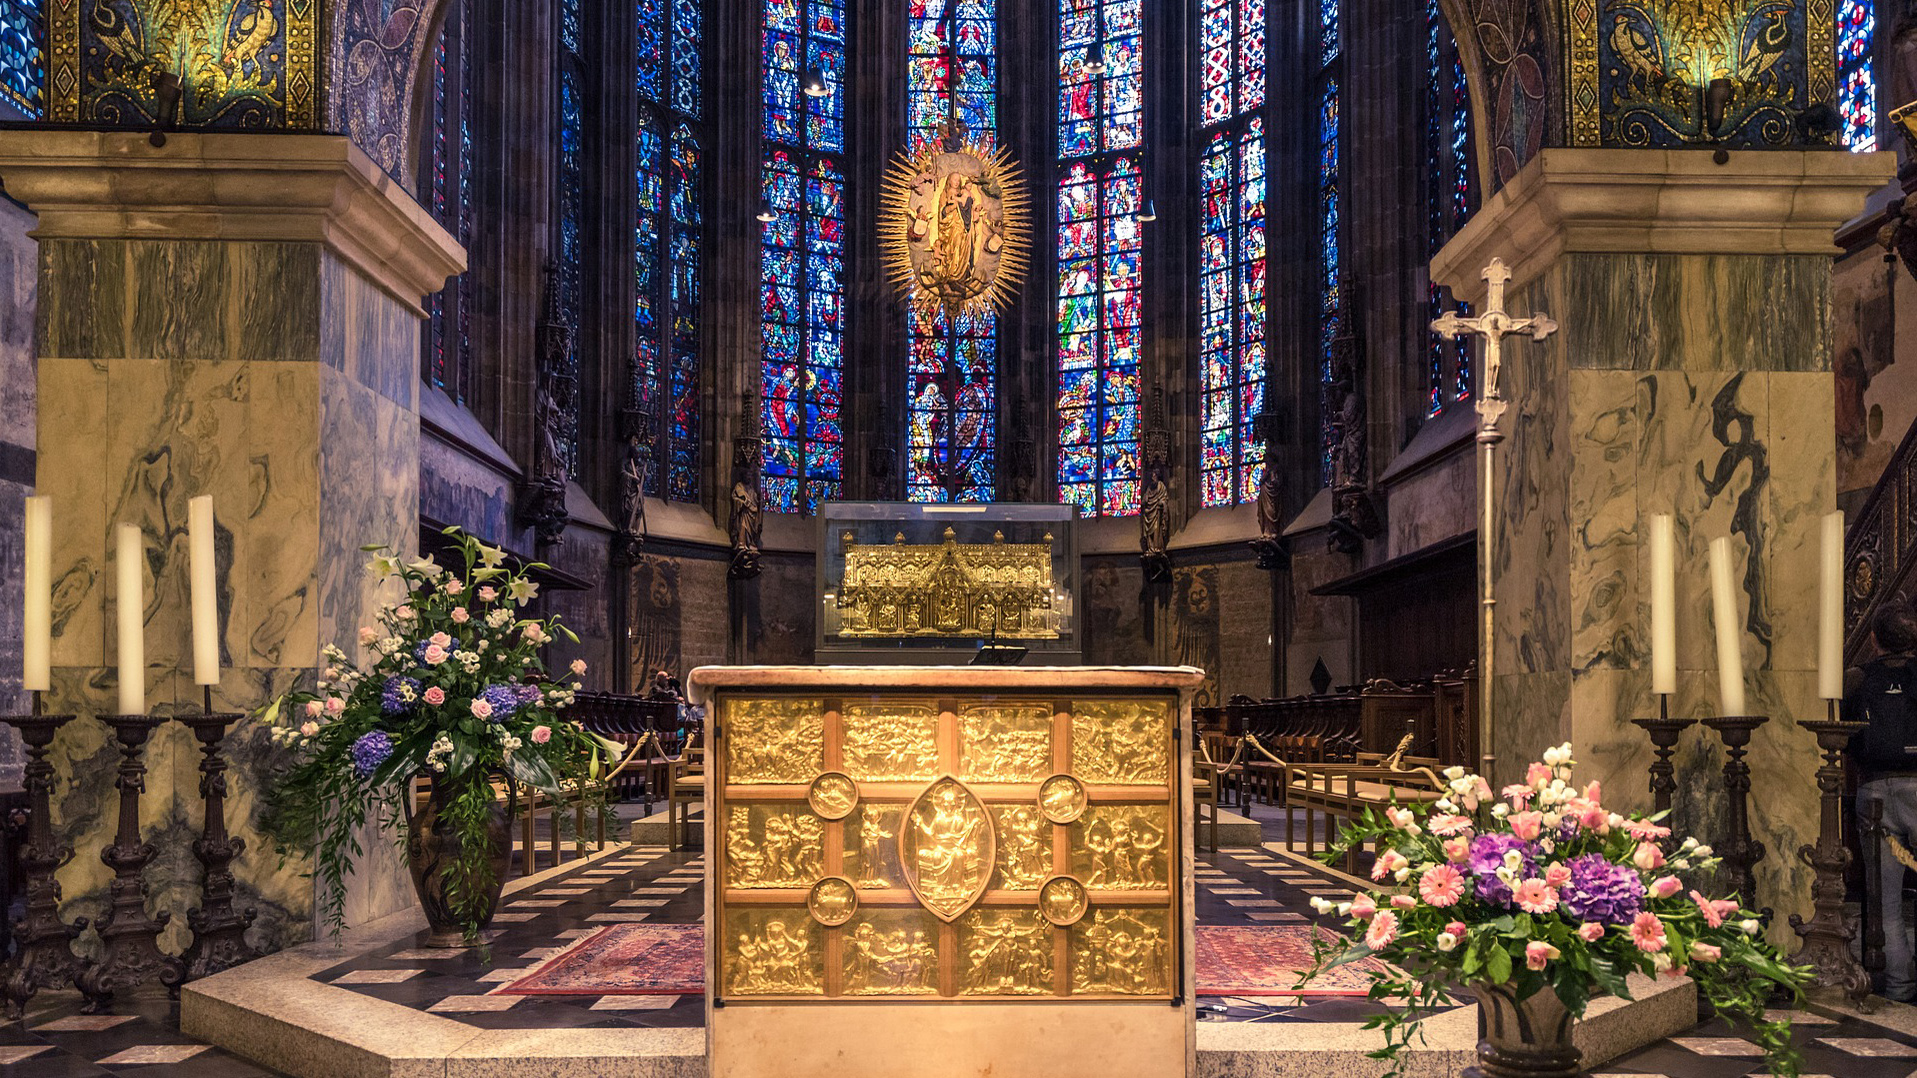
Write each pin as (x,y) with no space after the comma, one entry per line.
(432,848)
(1528,1038)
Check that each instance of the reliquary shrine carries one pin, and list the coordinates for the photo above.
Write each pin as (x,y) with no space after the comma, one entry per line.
(949,589)
(909,836)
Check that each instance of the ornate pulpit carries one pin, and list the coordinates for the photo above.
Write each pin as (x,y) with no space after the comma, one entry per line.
(978,871)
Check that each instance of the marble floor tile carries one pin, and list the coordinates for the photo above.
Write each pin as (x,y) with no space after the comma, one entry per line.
(377,976)
(501,976)
(635,1003)
(1719,1046)
(629,903)
(14,1053)
(540,954)
(515,918)
(1253,902)
(618,918)
(84,1023)
(538,903)
(658,890)
(565,890)
(577,933)
(1799,1018)
(473,1004)
(1234,890)
(154,1053)
(428,954)
(1873,1047)
(1278,918)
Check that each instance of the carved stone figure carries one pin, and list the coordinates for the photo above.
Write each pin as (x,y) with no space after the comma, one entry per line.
(745,524)
(543,504)
(1270,544)
(633,469)
(1154,510)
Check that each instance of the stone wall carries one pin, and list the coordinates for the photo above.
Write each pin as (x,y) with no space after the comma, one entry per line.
(1876,393)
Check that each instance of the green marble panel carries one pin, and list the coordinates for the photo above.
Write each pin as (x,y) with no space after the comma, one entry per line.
(1695,312)
(82,305)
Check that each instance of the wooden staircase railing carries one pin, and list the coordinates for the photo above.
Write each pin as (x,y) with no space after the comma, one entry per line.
(1880,550)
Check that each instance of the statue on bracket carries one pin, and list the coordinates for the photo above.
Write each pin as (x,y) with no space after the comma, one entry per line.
(1154,503)
(543,503)
(1270,544)
(634,469)
(745,524)
(1353,518)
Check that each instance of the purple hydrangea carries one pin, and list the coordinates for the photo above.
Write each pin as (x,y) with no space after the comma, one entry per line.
(528,694)
(399,695)
(370,751)
(1601,891)
(504,698)
(1487,856)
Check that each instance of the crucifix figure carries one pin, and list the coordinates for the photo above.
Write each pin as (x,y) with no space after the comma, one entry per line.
(1492,324)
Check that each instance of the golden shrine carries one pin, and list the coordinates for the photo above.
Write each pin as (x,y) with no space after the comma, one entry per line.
(918,836)
(948,589)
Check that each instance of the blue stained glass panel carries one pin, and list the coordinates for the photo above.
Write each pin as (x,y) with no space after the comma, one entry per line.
(686,64)
(1856,83)
(23,58)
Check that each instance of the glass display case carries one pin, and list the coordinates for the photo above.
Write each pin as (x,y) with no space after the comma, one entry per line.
(910,583)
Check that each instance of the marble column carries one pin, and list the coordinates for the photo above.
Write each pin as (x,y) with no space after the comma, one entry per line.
(1692,376)
(234,315)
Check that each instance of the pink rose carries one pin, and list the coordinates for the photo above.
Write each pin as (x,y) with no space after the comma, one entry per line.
(1590,932)
(454,587)
(1363,906)
(315,709)
(1456,928)
(482,709)
(1382,930)
(541,734)
(1593,818)
(1527,825)
(1647,857)
(488,593)
(1441,886)
(1403,902)
(1594,792)
(1557,875)
(1647,933)
(1705,952)
(1536,774)
(1538,952)
(579,666)
(1457,850)
(309,728)
(367,635)
(435,655)
(1400,817)
(404,613)
(335,705)
(1666,886)
(1535,896)
(460,616)
(442,639)
(435,696)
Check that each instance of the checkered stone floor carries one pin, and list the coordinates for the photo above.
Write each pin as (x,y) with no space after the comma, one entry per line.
(1834,1046)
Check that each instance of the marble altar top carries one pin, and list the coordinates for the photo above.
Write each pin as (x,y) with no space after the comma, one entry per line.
(703,681)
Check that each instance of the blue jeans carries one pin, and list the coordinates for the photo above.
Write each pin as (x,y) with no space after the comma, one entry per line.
(1899,796)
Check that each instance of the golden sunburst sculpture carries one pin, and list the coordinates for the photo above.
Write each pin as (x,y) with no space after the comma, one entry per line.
(955,226)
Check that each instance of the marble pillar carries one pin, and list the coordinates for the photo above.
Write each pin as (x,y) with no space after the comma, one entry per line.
(234,315)
(1692,376)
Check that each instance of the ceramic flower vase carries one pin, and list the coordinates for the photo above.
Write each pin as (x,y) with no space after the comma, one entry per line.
(432,847)
(1529,1038)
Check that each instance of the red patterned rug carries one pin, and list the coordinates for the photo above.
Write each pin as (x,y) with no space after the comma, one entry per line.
(663,960)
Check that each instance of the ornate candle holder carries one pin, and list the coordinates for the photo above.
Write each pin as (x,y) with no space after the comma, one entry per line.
(1664,732)
(1870,835)
(1826,937)
(219,931)
(45,957)
(129,939)
(1740,850)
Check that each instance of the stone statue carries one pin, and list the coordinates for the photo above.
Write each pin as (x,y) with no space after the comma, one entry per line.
(543,503)
(745,525)
(1154,525)
(633,469)
(1270,544)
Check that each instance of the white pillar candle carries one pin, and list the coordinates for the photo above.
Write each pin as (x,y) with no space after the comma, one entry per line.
(1830,611)
(1730,646)
(130,601)
(1663,605)
(36,673)
(206,610)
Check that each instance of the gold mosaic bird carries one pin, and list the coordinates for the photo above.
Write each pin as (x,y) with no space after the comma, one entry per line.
(1636,52)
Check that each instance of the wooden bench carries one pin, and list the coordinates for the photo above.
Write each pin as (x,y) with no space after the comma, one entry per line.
(686,787)
(1345,791)
(526,802)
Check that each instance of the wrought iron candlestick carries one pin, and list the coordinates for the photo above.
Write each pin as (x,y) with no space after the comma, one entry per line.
(45,957)
(1664,732)
(129,939)
(219,931)
(1826,936)
(1740,850)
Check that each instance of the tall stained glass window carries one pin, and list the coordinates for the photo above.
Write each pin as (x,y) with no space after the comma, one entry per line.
(1231,246)
(571,209)
(1331,298)
(666,246)
(1856,85)
(802,255)
(1100,244)
(446,187)
(1448,167)
(952,380)
(23,58)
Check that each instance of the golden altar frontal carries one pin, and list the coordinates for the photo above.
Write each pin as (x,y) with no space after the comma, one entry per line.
(918,870)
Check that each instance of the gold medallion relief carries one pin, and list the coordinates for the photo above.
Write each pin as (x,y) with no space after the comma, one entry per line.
(1063,900)
(1062,798)
(833,796)
(832,901)
(946,847)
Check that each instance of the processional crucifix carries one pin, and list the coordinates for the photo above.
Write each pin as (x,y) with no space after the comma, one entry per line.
(1492,324)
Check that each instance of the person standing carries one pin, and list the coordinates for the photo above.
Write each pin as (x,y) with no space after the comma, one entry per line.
(1883,694)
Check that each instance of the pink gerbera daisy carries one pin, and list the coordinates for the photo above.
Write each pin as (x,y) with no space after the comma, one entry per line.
(1382,930)
(1647,932)
(1441,886)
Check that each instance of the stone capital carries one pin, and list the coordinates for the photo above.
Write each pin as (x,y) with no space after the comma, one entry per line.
(235,187)
(1570,201)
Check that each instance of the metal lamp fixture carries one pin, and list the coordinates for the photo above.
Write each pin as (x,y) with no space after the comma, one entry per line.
(1148,213)
(766,213)
(815,84)
(166,91)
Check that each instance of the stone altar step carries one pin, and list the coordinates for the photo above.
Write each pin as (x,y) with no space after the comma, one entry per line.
(656,829)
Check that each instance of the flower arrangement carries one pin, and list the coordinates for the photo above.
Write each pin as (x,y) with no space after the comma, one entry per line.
(1545,889)
(453,687)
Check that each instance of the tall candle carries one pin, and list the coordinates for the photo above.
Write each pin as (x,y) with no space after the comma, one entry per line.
(1830,610)
(130,599)
(1663,605)
(1730,639)
(206,611)
(36,673)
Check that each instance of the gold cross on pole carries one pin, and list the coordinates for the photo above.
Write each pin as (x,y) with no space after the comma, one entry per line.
(1492,324)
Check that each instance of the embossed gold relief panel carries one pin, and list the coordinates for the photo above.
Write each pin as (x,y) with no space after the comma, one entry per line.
(891,953)
(1005,743)
(1121,742)
(913,847)
(891,742)
(778,952)
(774,742)
(1123,848)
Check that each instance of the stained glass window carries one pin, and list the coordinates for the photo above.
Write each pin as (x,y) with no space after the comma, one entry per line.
(571,209)
(802,259)
(23,58)
(1856,86)
(1231,247)
(1100,248)
(446,187)
(1447,137)
(666,249)
(1331,298)
(951,378)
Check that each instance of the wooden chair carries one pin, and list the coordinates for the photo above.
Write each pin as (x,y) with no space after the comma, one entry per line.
(1344,791)
(1209,782)
(686,788)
